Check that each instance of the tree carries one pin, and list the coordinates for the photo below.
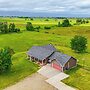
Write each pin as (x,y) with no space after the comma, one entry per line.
(87,21)
(4,27)
(78,21)
(29,26)
(65,23)
(83,21)
(79,44)
(11,27)
(31,19)
(5,59)
(1,26)
(59,24)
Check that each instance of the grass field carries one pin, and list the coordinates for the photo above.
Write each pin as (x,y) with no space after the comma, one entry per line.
(60,37)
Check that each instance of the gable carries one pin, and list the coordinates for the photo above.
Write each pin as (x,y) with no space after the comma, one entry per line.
(62,59)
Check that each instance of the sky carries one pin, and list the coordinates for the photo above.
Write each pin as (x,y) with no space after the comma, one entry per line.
(69,8)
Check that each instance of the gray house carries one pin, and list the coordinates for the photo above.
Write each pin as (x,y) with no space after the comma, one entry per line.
(49,54)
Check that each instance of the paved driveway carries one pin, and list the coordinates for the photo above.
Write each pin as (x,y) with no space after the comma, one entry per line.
(54,77)
(34,82)
(56,82)
(48,71)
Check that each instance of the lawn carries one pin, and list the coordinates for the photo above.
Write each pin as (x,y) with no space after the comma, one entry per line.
(79,78)
(59,36)
(20,69)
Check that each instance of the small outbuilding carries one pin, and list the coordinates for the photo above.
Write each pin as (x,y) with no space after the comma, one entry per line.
(49,54)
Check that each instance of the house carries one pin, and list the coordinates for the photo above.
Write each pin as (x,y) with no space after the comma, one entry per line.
(49,54)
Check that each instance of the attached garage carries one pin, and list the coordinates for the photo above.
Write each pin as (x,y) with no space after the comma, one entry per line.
(55,65)
(62,61)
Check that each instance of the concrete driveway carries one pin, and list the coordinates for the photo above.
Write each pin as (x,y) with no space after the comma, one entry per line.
(48,71)
(54,77)
(56,82)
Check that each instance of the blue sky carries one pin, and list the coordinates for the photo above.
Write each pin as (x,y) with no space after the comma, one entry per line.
(46,7)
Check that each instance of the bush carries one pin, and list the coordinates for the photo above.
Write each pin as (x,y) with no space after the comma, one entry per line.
(17,30)
(5,59)
(29,26)
(47,27)
(38,27)
(79,44)
(46,32)
(66,23)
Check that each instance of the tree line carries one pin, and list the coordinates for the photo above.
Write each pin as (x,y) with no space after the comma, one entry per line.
(5,28)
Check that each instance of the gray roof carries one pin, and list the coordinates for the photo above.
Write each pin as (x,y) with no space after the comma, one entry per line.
(62,59)
(40,52)
(49,47)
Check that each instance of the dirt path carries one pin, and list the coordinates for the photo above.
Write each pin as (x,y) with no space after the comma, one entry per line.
(34,82)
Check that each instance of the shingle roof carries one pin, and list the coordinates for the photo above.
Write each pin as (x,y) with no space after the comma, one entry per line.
(49,47)
(40,52)
(62,59)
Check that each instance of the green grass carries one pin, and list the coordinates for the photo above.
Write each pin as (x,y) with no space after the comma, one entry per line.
(79,78)
(20,69)
(59,37)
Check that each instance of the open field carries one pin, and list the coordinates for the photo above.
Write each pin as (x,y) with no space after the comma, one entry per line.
(21,22)
(58,36)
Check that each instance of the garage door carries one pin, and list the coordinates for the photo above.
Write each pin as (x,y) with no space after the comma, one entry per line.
(56,66)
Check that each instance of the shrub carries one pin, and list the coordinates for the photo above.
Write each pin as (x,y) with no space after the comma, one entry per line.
(17,30)
(47,27)
(46,32)
(38,27)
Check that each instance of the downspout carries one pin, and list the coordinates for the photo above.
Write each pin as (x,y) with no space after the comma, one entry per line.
(62,68)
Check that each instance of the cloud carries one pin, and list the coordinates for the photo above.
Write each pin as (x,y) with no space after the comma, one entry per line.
(56,6)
